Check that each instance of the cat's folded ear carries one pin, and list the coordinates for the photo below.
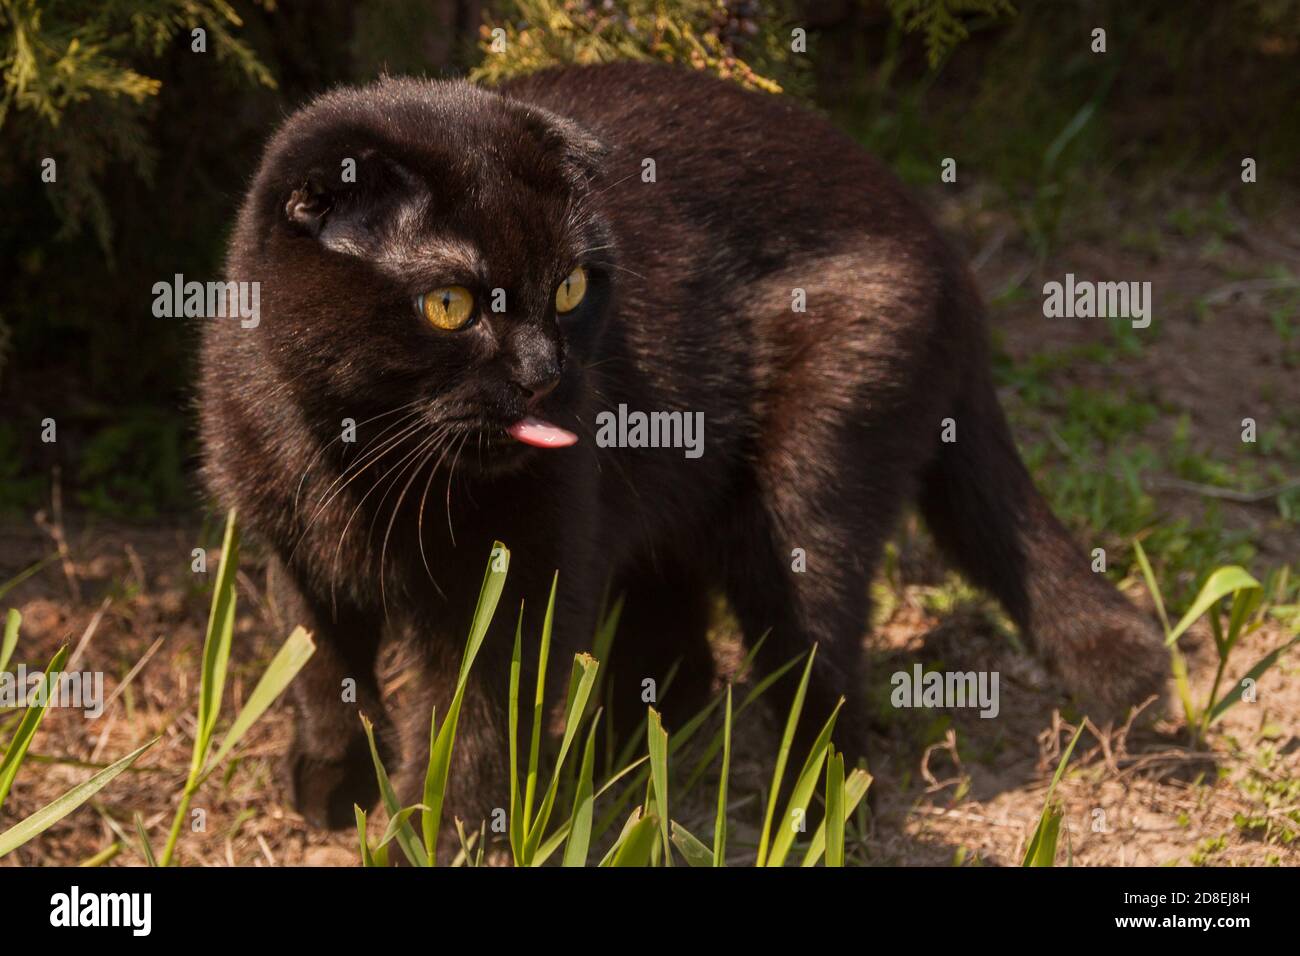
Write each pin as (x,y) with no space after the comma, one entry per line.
(349,198)
(308,205)
(581,154)
(584,154)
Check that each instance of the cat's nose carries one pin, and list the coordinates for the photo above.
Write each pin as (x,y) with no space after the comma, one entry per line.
(533,363)
(537,387)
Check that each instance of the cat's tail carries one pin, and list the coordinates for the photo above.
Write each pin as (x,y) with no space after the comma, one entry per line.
(982,507)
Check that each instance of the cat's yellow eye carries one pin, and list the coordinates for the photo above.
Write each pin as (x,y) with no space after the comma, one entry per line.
(447,308)
(571,291)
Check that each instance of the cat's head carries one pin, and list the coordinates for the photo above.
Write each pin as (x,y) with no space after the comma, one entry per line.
(434,248)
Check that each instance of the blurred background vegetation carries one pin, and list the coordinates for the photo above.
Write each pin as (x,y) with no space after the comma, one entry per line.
(154,143)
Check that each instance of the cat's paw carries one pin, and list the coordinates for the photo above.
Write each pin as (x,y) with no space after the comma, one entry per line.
(326,786)
(1114,660)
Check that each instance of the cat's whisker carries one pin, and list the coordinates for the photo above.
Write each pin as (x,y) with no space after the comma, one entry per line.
(338,438)
(403,426)
(410,418)
(615,265)
(591,366)
(355,470)
(420,519)
(399,431)
(609,186)
(420,444)
(450,474)
(410,408)
(431,445)
(338,550)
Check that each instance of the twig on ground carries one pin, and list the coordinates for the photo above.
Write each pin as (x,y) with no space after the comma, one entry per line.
(88,633)
(1227,494)
(130,675)
(1225,292)
(949,744)
(137,566)
(55,530)
(968,817)
(1176,484)
(266,850)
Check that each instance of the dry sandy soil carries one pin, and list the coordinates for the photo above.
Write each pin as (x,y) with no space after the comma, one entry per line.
(949,789)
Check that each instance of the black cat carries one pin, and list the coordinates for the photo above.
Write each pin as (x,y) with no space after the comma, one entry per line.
(473,277)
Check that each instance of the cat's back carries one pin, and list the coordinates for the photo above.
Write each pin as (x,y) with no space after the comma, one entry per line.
(740,159)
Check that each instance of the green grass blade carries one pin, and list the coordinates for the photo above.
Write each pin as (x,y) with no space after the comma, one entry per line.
(1244,605)
(605,821)
(1071,129)
(1183,684)
(657,741)
(581,680)
(396,823)
(605,632)
(624,757)
(24,574)
(212,679)
(12,622)
(216,643)
(1220,584)
(1267,661)
(438,772)
(55,811)
(720,821)
(103,856)
(692,850)
(440,749)
(292,656)
(715,743)
(539,709)
(406,838)
(367,857)
(855,788)
(1043,849)
(621,774)
(494,580)
(1042,845)
(465,855)
(678,737)
(1216,630)
(516,801)
(636,846)
(633,819)
(835,809)
(31,720)
(783,755)
(801,794)
(146,847)
(579,838)
(1154,588)
(553,842)
(604,641)
(683,736)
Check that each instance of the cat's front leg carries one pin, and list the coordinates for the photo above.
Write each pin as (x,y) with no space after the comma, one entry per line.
(329,763)
(478,782)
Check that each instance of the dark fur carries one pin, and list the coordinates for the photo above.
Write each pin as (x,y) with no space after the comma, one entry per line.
(820,426)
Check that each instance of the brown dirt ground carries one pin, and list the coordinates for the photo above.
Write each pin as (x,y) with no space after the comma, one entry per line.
(968,790)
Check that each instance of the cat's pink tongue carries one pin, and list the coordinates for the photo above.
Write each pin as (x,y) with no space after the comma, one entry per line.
(540,434)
